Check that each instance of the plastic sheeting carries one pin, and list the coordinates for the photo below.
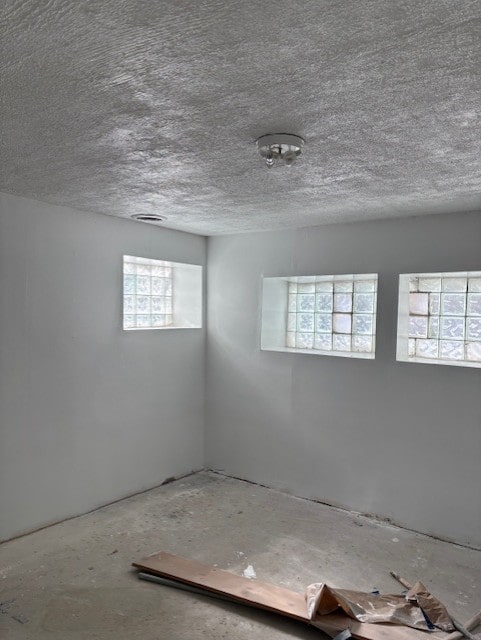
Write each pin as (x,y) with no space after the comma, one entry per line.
(417,609)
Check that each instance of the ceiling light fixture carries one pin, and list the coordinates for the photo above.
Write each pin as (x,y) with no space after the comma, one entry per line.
(148,217)
(280,147)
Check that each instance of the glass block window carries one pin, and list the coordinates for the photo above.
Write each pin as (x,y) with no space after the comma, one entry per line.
(332,314)
(148,291)
(439,318)
(320,315)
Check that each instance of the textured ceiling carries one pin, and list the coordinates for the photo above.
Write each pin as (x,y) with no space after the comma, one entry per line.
(143,106)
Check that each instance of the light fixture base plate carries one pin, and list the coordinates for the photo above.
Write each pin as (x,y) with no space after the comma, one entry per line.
(280,146)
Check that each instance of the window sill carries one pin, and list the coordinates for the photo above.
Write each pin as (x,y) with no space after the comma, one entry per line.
(449,363)
(318,352)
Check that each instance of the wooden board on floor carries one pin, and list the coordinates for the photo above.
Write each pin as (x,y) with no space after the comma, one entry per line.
(240,589)
(271,598)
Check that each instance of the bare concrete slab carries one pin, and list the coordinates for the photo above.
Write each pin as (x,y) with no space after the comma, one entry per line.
(73,581)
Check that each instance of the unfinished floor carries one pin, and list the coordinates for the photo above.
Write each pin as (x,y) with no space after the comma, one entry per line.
(73,580)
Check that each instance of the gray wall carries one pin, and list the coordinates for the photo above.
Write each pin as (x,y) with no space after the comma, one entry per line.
(88,413)
(400,440)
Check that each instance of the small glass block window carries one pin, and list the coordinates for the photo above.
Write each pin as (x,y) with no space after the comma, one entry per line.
(332,315)
(148,299)
(439,318)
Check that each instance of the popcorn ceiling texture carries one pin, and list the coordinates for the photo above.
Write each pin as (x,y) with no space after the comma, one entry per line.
(140,106)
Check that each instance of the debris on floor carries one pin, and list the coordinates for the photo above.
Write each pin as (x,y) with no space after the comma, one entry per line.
(249,572)
(389,608)
(340,613)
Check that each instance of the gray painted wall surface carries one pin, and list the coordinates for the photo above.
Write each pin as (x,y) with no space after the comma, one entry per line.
(400,440)
(88,413)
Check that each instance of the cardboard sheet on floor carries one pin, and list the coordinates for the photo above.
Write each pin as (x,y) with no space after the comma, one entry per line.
(273,598)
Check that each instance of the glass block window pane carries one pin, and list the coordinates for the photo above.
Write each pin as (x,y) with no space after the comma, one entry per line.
(362,324)
(129,321)
(343,302)
(291,339)
(324,303)
(474,304)
(305,322)
(129,304)
(341,343)
(332,314)
(342,322)
(361,286)
(323,341)
(418,303)
(306,287)
(440,318)
(474,284)
(304,340)
(418,327)
(323,323)
(433,327)
(129,283)
(473,352)
(474,329)
(452,328)
(291,321)
(434,303)
(412,347)
(142,304)
(454,283)
(363,344)
(343,286)
(305,302)
(453,304)
(429,284)
(143,284)
(451,350)
(326,287)
(427,348)
(364,302)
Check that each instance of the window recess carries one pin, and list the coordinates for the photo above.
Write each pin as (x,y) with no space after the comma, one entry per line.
(439,318)
(324,315)
(159,294)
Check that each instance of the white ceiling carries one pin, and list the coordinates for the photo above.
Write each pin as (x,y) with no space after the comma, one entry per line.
(144,106)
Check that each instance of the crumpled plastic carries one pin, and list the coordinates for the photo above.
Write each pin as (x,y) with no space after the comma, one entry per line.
(432,607)
(410,610)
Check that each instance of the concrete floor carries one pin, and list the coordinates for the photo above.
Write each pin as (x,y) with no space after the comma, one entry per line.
(73,580)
